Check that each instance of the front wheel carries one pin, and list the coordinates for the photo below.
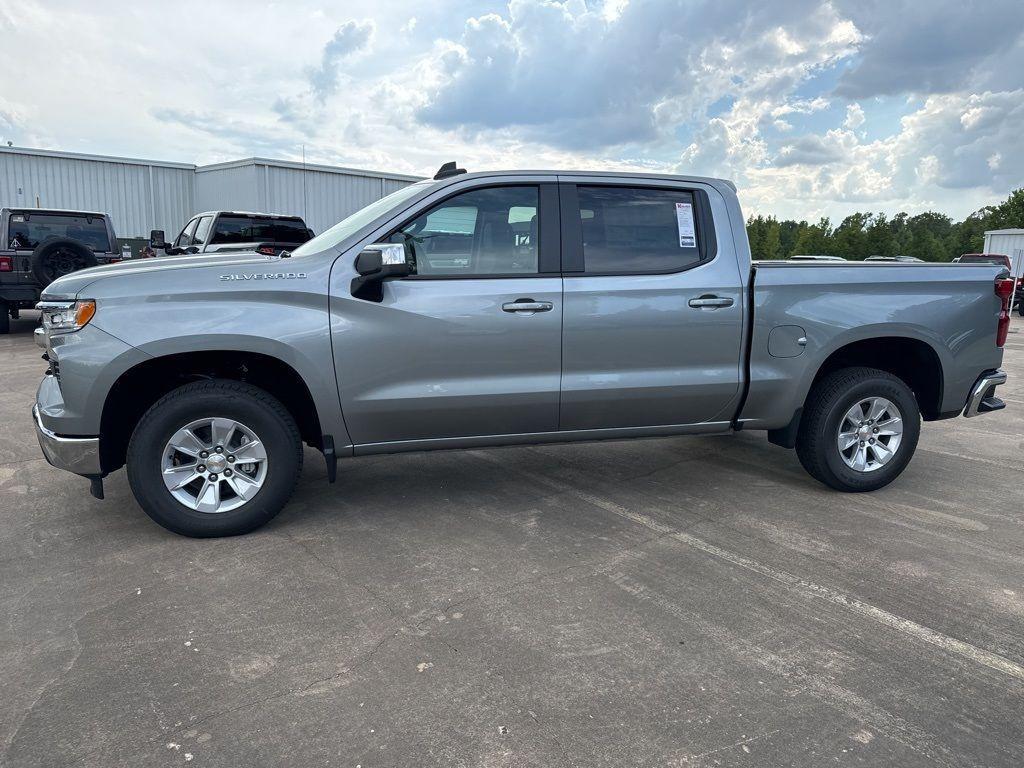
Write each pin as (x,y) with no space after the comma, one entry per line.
(214,458)
(859,429)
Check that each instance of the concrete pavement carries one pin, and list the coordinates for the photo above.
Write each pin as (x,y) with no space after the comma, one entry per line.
(680,601)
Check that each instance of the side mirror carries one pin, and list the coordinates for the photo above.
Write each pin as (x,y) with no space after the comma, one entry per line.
(375,264)
(157,240)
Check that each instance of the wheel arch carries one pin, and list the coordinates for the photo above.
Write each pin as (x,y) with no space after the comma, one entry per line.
(142,385)
(912,359)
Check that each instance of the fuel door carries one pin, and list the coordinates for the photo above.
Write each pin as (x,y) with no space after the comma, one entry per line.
(787,341)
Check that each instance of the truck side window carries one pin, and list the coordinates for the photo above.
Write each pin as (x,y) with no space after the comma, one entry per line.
(490,231)
(202,230)
(185,238)
(634,230)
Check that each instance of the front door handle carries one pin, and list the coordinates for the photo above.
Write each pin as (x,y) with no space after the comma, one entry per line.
(710,302)
(527,306)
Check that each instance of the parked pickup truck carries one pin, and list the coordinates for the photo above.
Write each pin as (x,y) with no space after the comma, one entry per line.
(502,308)
(38,245)
(230,231)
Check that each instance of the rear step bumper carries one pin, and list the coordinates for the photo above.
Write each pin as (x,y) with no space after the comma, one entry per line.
(983,398)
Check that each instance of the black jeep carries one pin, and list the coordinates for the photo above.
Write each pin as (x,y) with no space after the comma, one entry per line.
(38,245)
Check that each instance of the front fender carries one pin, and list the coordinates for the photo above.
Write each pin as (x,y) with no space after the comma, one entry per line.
(195,311)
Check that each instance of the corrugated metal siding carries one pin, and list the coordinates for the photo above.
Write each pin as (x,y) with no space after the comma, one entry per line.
(118,188)
(174,195)
(227,189)
(1009,244)
(141,195)
(393,185)
(322,199)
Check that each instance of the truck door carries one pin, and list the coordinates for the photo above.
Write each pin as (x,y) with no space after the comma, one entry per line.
(652,323)
(470,344)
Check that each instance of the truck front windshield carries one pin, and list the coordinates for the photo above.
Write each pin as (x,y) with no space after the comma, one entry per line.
(352,224)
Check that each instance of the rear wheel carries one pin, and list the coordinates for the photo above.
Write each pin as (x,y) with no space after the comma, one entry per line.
(859,429)
(214,458)
(5,317)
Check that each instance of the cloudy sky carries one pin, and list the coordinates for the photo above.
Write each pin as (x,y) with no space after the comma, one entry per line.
(813,108)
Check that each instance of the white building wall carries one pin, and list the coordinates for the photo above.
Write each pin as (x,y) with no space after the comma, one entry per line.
(322,195)
(135,193)
(228,188)
(173,200)
(1008,242)
(142,195)
(322,199)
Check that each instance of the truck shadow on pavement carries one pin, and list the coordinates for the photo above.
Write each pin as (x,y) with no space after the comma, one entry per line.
(684,473)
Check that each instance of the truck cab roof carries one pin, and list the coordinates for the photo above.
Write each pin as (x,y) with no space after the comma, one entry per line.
(585,173)
(252,214)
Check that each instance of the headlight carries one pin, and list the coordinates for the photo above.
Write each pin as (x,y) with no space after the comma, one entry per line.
(66,316)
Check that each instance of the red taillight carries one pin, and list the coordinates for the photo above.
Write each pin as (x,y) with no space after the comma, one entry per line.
(1004,290)
(6,264)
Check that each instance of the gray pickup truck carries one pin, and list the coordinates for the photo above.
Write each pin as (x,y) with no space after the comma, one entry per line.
(502,308)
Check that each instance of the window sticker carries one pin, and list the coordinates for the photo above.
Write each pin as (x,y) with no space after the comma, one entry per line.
(684,222)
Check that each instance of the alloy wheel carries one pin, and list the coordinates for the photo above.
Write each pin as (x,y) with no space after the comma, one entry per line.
(214,465)
(870,434)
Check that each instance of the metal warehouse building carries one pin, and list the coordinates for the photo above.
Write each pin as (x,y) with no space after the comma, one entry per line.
(142,195)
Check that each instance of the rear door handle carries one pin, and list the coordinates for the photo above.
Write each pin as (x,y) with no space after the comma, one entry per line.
(710,302)
(527,306)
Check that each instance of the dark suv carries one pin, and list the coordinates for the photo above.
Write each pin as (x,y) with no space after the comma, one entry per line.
(38,245)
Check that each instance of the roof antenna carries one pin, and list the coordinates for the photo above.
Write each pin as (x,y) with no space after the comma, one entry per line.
(448,169)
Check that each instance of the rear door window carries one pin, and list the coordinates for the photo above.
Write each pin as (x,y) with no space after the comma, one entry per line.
(636,230)
(27,230)
(231,230)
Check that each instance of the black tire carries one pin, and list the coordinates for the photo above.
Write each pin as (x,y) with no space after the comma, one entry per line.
(1020,306)
(5,317)
(56,257)
(826,406)
(244,403)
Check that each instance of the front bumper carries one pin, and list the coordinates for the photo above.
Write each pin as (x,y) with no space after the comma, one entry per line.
(983,398)
(80,455)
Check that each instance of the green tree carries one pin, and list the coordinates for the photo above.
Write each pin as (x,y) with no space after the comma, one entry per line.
(931,235)
(772,240)
(788,232)
(815,239)
(879,238)
(850,238)
(755,235)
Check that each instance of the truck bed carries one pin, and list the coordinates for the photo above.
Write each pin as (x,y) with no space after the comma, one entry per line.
(804,312)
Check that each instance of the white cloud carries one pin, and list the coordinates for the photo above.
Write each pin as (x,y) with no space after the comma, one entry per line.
(350,38)
(929,46)
(718,87)
(854,117)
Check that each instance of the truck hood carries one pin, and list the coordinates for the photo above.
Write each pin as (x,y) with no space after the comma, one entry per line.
(72,285)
